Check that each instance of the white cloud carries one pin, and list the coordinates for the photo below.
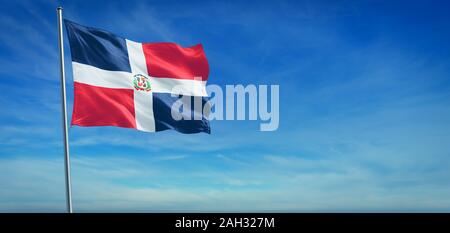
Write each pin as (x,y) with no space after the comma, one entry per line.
(107,184)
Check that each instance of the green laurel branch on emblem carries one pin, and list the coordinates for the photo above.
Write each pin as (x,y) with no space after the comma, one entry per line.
(141,83)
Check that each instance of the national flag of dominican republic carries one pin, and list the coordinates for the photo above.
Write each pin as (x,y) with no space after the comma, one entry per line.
(119,82)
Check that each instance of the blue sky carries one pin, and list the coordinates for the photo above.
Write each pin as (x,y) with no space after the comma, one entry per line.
(364,110)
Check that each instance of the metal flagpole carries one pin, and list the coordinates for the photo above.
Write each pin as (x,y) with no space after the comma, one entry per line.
(64,111)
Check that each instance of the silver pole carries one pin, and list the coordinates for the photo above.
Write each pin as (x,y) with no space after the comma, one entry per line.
(64,111)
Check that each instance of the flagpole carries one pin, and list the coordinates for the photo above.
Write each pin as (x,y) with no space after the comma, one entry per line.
(64,112)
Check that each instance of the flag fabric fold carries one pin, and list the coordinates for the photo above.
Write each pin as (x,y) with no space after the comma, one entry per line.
(119,82)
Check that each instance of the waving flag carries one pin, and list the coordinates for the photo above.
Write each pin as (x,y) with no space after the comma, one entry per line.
(119,82)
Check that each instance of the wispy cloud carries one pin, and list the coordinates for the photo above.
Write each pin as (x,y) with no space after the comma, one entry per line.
(100,185)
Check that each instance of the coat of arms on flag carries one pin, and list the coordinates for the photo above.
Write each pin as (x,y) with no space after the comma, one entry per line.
(119,82)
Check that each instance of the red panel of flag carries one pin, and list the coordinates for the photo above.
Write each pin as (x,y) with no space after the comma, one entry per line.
(99,106)
(169,60)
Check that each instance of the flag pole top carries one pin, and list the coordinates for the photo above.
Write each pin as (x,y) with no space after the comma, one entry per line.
(59,8)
